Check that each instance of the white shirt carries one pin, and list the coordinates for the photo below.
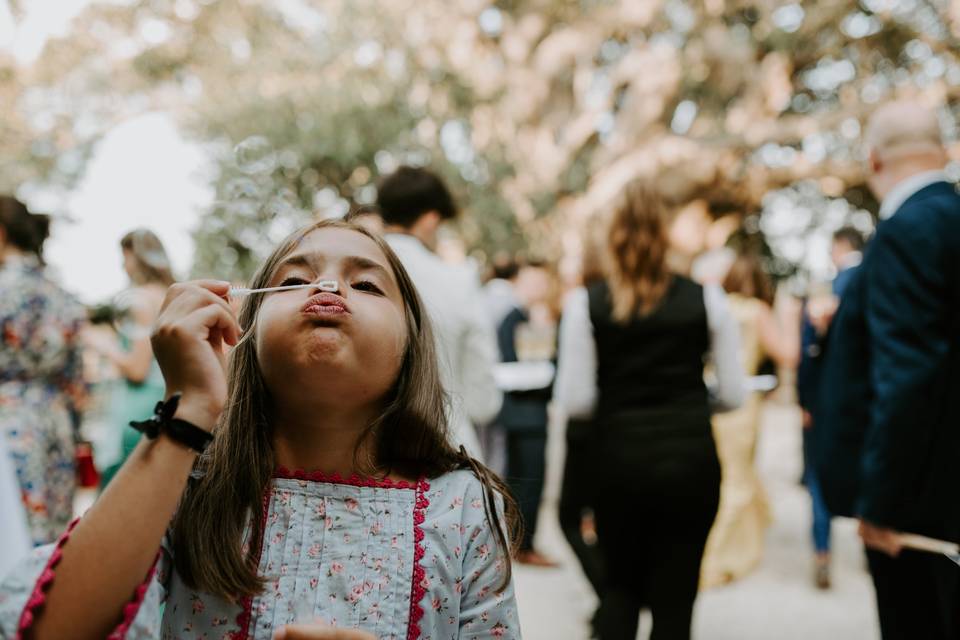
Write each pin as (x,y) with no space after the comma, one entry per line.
(14,536)
(466,343)
(906,188)
(575,390)
(499,299)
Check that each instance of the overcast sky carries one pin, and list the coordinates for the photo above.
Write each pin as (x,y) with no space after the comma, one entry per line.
(143,173)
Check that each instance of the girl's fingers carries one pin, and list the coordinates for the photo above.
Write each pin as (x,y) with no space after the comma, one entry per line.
(195,297)
(217,287)
(213,322)
(319,632)
(186,298)
(190,289)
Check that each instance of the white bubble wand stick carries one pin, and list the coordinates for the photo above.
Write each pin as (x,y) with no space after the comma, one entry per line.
(237,292)
(323,285)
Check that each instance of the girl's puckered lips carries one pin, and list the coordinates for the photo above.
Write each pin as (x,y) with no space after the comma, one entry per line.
(326,305)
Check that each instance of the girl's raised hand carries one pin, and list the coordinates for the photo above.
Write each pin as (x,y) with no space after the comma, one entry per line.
(319,631)
(188,341)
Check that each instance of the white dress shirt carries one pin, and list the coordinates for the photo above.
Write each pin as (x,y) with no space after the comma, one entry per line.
(906,188)
(575,390)
(466,343)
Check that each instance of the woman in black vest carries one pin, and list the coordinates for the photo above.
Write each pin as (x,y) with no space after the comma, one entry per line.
(632,353)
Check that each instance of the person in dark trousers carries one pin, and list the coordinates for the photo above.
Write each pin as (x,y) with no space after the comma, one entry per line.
(888,414)
(575,510)
(846,254)
(632,352)
(523,416)
(499,299)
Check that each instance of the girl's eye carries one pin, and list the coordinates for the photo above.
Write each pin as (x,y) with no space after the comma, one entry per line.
(293,280)
(366,285)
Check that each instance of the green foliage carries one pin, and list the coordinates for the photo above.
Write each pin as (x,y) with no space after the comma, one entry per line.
(533,110)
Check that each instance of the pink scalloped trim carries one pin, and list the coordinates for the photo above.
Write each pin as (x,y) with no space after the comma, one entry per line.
(336,478)
(418,587)
(131,609)
(39,594)
(246,611)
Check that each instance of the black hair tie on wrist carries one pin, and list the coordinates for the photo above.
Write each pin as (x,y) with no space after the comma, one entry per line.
(182,431)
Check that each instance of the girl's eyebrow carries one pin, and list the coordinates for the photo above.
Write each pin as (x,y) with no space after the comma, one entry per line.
(298,260)
(353,263)
(359,263)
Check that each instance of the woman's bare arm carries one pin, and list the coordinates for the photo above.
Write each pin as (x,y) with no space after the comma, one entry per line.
(780,342)
(133,363)
(113,547)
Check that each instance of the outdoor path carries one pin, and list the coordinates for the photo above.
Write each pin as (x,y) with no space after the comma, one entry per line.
(775,602)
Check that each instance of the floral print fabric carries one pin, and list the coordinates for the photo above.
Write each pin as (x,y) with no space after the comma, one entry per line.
(41,381)
(344,552)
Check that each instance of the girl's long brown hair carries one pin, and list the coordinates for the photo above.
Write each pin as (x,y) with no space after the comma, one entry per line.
(637,247)
(211,551)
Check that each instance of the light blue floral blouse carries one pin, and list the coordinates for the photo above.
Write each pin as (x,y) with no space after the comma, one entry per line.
(400,560)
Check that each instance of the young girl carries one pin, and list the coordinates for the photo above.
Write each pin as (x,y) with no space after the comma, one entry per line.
(330,492)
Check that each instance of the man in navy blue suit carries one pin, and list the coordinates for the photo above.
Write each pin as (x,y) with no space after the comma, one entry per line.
(887,434)
(846,254)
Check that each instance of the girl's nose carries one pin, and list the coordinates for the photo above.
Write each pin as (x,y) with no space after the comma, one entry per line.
(333,286)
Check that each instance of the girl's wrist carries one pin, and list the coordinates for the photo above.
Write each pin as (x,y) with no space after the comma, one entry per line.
(198,410)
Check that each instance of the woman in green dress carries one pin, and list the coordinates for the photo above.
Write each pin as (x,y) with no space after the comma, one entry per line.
(140,385)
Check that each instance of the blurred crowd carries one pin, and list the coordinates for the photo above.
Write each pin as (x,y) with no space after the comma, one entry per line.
(657,354)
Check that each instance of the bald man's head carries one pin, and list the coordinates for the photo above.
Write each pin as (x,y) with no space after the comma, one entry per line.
(903,139)
(903,128)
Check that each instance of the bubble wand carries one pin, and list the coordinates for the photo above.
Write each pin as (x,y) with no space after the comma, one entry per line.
(323,285)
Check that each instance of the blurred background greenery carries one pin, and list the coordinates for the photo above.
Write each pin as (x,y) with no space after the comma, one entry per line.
(537,111)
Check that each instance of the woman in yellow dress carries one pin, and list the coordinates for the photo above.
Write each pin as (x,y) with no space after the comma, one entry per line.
(735,545)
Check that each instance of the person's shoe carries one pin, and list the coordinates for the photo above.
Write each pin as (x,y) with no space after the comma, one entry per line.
(821,576)
(535,559)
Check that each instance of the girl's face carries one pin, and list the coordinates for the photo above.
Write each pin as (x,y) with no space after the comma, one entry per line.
(341,346)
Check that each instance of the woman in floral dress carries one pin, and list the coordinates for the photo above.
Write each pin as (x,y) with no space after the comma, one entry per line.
(40,372)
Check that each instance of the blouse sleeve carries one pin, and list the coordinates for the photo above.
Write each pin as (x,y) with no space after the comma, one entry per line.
(23,592)
(575,391)
(485,613)
(71,379)
(724,349)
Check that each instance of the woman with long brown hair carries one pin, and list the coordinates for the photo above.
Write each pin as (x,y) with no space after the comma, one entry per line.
(127,346)
(632,353)
(328,490)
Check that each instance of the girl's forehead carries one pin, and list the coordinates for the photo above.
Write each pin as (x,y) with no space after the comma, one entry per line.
(320,245)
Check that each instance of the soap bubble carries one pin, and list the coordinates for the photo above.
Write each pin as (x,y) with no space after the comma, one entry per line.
(255,155)
(241,188)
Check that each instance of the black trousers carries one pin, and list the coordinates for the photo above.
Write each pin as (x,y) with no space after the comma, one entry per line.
(577,494)
(918,595)
(658,501)
(526,467)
